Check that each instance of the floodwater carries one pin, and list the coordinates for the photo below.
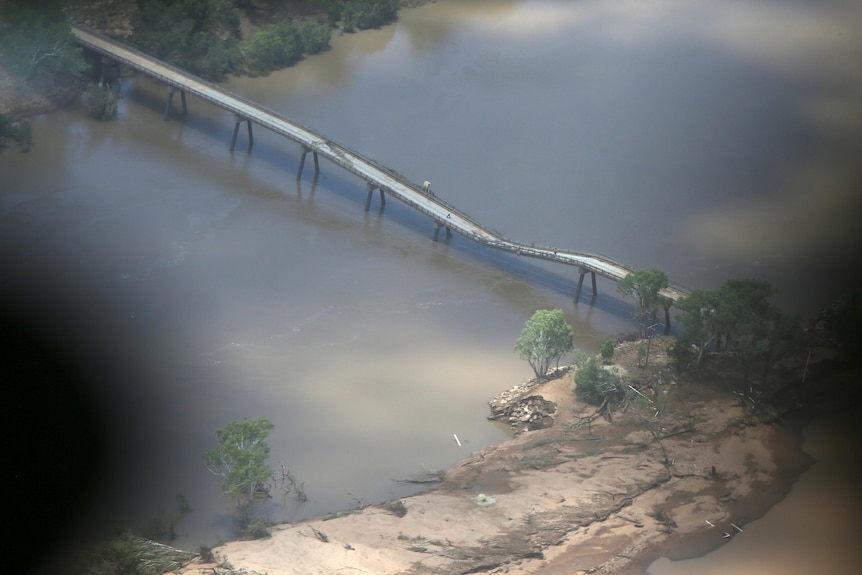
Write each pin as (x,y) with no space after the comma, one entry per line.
(192,286)
(814,530)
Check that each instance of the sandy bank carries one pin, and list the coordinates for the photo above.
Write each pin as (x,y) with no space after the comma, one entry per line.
(577,497)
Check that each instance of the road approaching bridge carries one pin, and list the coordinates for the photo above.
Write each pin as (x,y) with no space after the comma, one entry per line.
(376,176)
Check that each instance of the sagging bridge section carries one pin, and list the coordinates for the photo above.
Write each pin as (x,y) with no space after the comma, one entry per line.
(375,175)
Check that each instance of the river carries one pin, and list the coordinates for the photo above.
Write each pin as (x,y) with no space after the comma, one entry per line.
(194,286)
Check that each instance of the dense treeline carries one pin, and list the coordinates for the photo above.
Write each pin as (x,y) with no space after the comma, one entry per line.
(204,36)
(35,39)
(201,36)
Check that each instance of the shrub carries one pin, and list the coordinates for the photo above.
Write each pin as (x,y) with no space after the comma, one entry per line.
(593,383)
(101,102)
(681,355)
(274,47)
(216,57)
(18,131)
(364,14)
(36,38)
(315,37)
(607,350)
(251,527)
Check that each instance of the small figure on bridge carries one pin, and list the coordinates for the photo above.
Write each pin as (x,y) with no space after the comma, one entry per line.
(555,251)
(426,185)
(448,216)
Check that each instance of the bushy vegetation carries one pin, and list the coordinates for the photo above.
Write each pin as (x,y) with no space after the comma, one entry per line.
(201,36)
(594,384)
(276,46)
(361,14)
(316,37)
(101,102)
(607,350)
(18,131)
(741,315)
(35,38)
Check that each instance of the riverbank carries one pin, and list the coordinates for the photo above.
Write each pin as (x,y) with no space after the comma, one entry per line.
(582,495)
(21,98)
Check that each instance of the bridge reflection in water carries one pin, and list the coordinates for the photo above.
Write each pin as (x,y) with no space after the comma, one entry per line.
(375,175)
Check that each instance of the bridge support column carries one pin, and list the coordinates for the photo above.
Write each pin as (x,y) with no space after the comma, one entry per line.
(371,187)
(239,120)
(584,272)
(305,151)
(171,92)
(437,226)
(109,71)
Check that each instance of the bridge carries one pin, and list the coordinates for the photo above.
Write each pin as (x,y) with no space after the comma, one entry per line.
(376,176)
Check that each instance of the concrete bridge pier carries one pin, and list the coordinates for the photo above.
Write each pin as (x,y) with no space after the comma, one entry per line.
(584,272)
(371,187)
(237,121)
(171,92)
(305,150)
(109,71)
(437,226)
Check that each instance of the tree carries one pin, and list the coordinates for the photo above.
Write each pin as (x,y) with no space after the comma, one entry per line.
(35,37)
(745,316)
(741,313)
(316,37)
(198,35)
(240,461)
(544,340)
(645,286)
(607,350)
(701,320)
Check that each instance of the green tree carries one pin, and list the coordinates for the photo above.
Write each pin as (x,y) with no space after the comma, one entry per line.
(197,35)
(316,37)
(645,285)
(362,13)
(275,46)
(240,461)
(35,38)
(607,350)
(544,339)
(741,313)
(702,320)
(745,317)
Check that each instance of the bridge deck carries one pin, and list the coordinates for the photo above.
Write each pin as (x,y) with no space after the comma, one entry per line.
(377,175)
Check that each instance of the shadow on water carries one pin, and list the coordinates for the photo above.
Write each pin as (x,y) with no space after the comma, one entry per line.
(349,188)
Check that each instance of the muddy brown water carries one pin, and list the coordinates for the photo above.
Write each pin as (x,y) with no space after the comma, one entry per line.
(193,286)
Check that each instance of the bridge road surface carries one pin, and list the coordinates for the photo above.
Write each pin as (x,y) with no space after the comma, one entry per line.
(376,175)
